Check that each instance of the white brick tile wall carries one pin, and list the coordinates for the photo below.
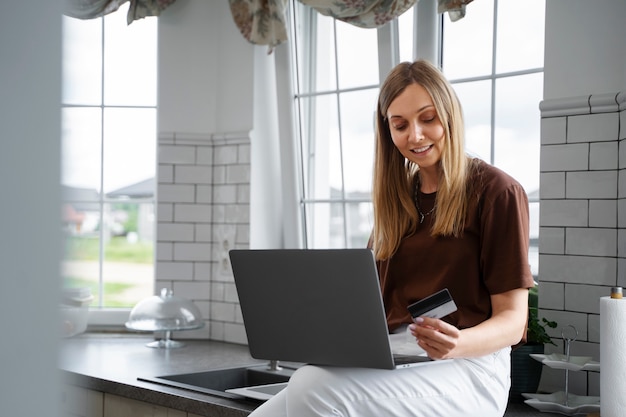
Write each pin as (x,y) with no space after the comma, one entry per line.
(204,195)
(552,185)
(552,240)
(175,232)
(577,269)
(603,155)
(174,271)
(591,184)
(582,240)
(164,251)
(584,298)
(593,127)
(175,193)
(184,174)
(570,157)
(165,212)
(603,213)
(176,154)
(564,213)
(591,242)
(553,130)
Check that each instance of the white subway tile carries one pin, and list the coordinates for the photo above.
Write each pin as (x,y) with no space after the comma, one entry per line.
(202,271)
(203,232)
(591,184)
(165,174)
(577,269)
(225,194)
(237,213)
(165,212)
(164,251)
(175,193)
(553,130)
(174,271)
(593,127)
(235,333)
(191,174)
(551,295)
(192,252)
(563,213)
(552,240)
(571,157)
(192,213)
(193,290)
(552,185)
(204,155)
(219,174)
(175,232)
(225,155)
(584,298)
(230,293)
(176,154)
(591,242)
(603,155)
(204,194)
(243,193)
(603,213)
(222,311)
(243,154)
(237,174)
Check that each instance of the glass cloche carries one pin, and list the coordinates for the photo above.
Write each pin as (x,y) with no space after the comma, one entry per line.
(165,313)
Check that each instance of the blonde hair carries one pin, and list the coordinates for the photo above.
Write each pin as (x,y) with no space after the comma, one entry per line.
(395,214)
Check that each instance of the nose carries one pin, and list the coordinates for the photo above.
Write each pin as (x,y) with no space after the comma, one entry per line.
(416,133)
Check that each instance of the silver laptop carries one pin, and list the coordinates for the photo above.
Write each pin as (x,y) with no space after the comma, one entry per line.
(316,306)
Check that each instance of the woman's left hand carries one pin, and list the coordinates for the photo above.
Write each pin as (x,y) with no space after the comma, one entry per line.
(435,336)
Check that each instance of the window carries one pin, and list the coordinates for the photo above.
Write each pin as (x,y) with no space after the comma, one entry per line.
(109,157)
(335,103)
(493,57)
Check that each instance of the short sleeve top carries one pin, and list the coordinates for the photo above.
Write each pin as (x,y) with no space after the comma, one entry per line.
(490,257)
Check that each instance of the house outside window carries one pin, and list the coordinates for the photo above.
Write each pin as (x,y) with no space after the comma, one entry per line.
(109,159)
(497,74)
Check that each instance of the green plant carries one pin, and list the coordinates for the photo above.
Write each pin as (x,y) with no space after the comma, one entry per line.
(537,328)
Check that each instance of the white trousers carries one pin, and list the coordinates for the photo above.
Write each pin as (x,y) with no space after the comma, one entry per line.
(477,387)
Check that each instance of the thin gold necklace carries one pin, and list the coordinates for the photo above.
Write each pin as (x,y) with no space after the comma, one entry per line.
(417,204)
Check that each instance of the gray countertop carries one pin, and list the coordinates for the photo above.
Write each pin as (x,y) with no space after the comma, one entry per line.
(111,363)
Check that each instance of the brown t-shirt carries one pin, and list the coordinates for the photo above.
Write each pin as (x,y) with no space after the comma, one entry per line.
(490,257)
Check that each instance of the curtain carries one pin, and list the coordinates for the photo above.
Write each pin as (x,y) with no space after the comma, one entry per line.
(138,9)
(262,22)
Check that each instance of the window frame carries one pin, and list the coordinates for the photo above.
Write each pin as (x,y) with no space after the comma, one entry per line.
(102,317)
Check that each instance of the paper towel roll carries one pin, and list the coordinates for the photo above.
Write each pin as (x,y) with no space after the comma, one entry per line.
(612,357)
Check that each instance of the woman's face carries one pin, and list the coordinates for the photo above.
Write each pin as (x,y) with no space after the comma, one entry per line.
(415,127)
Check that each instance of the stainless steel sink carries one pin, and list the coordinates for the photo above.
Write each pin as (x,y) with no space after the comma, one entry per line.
(216,382)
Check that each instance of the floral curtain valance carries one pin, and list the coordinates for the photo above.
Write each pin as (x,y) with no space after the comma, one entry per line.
(262,22)
(138,9)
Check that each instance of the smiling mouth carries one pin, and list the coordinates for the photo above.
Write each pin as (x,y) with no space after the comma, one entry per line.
(421,149)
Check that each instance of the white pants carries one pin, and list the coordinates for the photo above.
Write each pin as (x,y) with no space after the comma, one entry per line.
(476,387)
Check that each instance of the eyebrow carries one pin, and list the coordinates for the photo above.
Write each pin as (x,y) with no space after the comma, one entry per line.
(418,110)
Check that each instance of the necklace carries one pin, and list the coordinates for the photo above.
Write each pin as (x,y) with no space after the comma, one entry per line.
(417,204)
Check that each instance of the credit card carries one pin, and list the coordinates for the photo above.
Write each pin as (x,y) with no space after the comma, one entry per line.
(437,305)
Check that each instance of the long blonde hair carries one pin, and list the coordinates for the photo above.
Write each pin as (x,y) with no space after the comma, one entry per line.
(395,214)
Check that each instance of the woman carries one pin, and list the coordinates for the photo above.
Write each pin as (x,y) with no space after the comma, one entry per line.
(441,220)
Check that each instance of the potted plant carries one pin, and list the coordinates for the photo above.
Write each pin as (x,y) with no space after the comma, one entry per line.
(526,371)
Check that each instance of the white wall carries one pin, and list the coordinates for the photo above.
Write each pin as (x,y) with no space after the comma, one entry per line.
(205,116)
(205,70)
(30,64)
(585,50)
(581,238)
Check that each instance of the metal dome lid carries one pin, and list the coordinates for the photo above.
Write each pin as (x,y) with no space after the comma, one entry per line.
(165,312)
